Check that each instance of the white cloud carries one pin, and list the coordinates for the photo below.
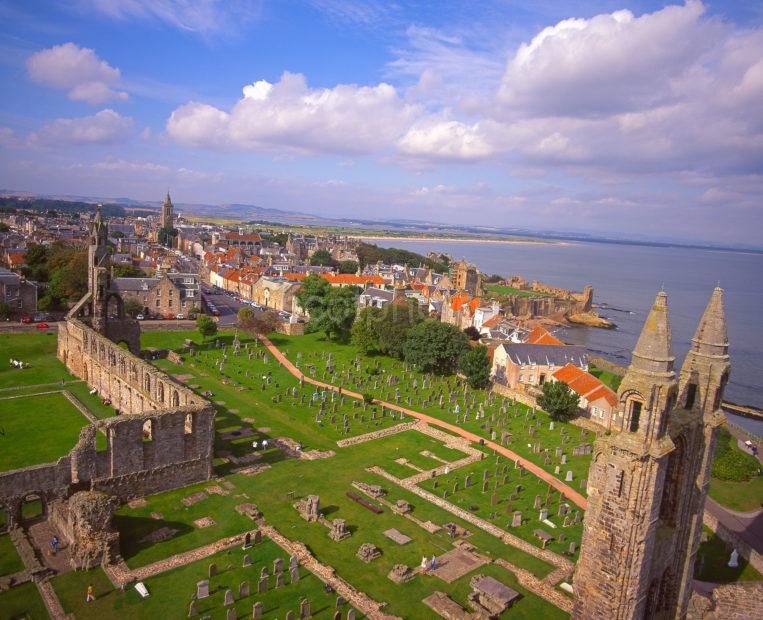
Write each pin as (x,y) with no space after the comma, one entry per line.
(77,70)
(290,116)
(609,63)
(204,17)
(122,165)
(104,127)
(445,139)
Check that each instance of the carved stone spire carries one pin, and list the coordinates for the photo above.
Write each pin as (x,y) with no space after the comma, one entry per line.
(653,352)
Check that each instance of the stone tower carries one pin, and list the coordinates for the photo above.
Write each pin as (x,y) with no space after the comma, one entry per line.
(648,479)
(98,268)
(167,212)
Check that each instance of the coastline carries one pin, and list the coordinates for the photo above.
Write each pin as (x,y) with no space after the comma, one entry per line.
(459,240)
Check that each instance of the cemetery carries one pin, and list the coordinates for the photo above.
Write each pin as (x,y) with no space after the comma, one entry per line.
(321,504)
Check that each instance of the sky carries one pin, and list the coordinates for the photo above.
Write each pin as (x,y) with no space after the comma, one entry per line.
(639,119)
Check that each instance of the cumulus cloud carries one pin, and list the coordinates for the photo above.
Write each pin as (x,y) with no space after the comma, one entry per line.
(445,139)
(77,70)
(291,116)
(104,127)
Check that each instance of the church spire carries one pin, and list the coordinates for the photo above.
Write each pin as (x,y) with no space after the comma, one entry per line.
(653,352)
(706,368)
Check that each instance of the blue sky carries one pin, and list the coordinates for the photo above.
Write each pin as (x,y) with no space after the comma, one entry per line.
(636,118)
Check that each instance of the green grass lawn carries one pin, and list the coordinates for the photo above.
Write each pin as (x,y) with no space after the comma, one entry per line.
(10,562)
(712,562)
(739,496)
(500,289)
(310,350)
(607,378)
(37,350)
(22,601)
(38,429)
(171,592)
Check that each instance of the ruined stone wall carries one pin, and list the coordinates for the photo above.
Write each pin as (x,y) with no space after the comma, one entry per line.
(131,384)
(542,306)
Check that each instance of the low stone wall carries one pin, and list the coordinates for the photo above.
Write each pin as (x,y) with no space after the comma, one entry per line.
(605,364)
(725,534)
(520,397)
(291,329)
(392,430)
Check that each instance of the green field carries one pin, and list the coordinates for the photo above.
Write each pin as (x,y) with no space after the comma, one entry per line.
(22,601)
(37,429)
(712,562)
(607,378)
(10,562)
(36,350)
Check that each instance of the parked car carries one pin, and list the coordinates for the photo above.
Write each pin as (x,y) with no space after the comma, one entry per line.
(26,319)
(42,326)
(180,317)
(140,317)
(169,316)
(215,312)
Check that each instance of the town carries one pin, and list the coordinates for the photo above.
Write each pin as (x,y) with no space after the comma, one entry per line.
(226,421)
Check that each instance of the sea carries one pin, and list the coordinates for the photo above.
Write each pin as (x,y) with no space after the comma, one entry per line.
(626,279)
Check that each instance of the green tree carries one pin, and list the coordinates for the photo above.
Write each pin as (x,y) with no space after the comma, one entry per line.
(434,346)
(336,316)
(193,312)
(257,323)
(126,271)
(5,311)
(365,330)
(167,236)
(348,266)
(321,258)
(472,333)
(68,281)
(311,296)
(36,255)
(133,308)
(474,364)
(558,400)
(396,321)
(206,326)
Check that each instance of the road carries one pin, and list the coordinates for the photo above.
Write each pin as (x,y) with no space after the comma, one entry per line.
(226,305)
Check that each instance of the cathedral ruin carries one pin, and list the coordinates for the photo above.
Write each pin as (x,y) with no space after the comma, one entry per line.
(649,477)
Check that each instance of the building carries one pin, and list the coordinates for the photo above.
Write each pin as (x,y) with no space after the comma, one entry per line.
(373,297)
(276,294)
(467,278)
(649,476)
(596,399)
(167,212)
(18,293)
(523,366)
(168,295)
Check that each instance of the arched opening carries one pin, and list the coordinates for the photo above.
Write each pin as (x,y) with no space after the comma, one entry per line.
(671,489)
(691,395)
(718,398)
(32,507)
(147,383)
(161,391)
(148,430)
(633,408)
(114,307)
(188,426)
(175,398)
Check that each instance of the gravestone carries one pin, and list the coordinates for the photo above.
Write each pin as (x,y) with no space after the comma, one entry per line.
(192,609)
(350,614)
(280,580)
(568,477)
(536,503)
(243,589)
(262,585)
(556,470)
(294,574)
(257,610)
(228,598)
(231,614)
(543,514)
(202,589)
(573,548)
(212,570)
(247,561)
(247,540)
(289,615)
(264,572)
(277,566)
(564,459)
(304,609)
(516,520)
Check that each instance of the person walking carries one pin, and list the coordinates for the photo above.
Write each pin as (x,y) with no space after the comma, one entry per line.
(53,545)
(89,596)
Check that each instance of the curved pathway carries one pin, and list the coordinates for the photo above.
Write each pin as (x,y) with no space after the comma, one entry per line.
(570,493)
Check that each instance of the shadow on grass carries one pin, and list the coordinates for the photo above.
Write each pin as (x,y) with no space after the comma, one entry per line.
(133,532)
(712,563)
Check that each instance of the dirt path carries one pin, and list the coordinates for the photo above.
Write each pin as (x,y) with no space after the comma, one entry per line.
(570,493)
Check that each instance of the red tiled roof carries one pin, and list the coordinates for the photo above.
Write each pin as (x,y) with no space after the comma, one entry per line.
(568,373)
(603,392)
(540,335)
(585,384)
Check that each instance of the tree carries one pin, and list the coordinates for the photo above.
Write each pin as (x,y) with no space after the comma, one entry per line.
(558,400)
(257,323)
(194,311)
(311,296)
(434,346)
(396,321)
(365,330)
(126,271)
(472,333)
(337,314)
(5,311)
(348,266)
(167,236)
(206,326)
(321,258)
(474,364)
(36,255)
(133,308)
(68,281)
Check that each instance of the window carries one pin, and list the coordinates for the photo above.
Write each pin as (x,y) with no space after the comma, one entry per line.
(691,395)
(635,415)
(158,303)
(169,303)
(601,413)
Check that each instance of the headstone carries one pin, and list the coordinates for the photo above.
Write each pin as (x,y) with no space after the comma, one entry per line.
(202,589)
(516,520)
(350,614)
(262,585)
(228,598)
(192,609)
(280,580)
(247,561)
(537,502)
(556,470)
(212,570)
(568,477)
(543,514)
(573,548)
(277,566)
(257,610)
(293,561)
(289,615)
(243,589)
(231,614)
(304,609)
(247,540)
(294,574)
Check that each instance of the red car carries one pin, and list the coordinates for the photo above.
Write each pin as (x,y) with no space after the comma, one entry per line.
(26,319)
(42,326)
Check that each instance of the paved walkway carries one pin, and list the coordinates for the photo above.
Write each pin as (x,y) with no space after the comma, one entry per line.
(570,493)
(747,525)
